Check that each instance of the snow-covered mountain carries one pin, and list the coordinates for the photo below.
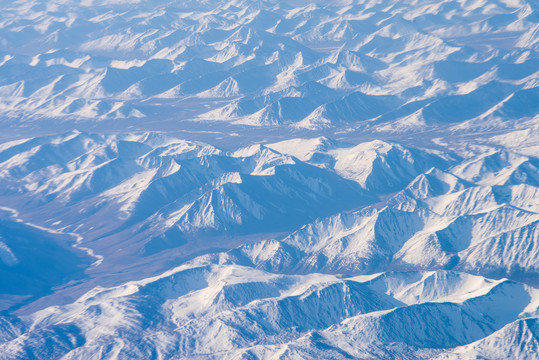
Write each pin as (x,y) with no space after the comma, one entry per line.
(134,204)
(270,179)
(229,311)
(310,65)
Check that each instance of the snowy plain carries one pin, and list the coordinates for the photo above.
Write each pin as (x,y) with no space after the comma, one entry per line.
(344,179)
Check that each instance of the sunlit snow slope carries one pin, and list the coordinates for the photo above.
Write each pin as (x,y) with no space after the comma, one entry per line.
(305,64)
(269,179)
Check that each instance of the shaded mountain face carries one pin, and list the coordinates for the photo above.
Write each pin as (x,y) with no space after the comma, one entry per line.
(159,192)
(313,65)
(269,179)
(34,261)
(308,248)
(230,311)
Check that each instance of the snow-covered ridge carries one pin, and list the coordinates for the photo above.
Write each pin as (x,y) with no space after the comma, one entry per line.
(192,185)
(415,230)
(313,66)
(276,179)
(231,311)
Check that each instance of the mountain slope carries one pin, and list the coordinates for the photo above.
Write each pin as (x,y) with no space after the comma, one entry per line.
(318,66)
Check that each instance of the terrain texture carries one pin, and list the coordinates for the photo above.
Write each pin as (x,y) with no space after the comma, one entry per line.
(269,179)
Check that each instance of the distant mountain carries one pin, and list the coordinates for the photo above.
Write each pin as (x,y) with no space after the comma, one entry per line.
(310,66)
(269,179)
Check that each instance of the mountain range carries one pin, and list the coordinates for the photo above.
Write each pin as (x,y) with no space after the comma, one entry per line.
(243,179)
